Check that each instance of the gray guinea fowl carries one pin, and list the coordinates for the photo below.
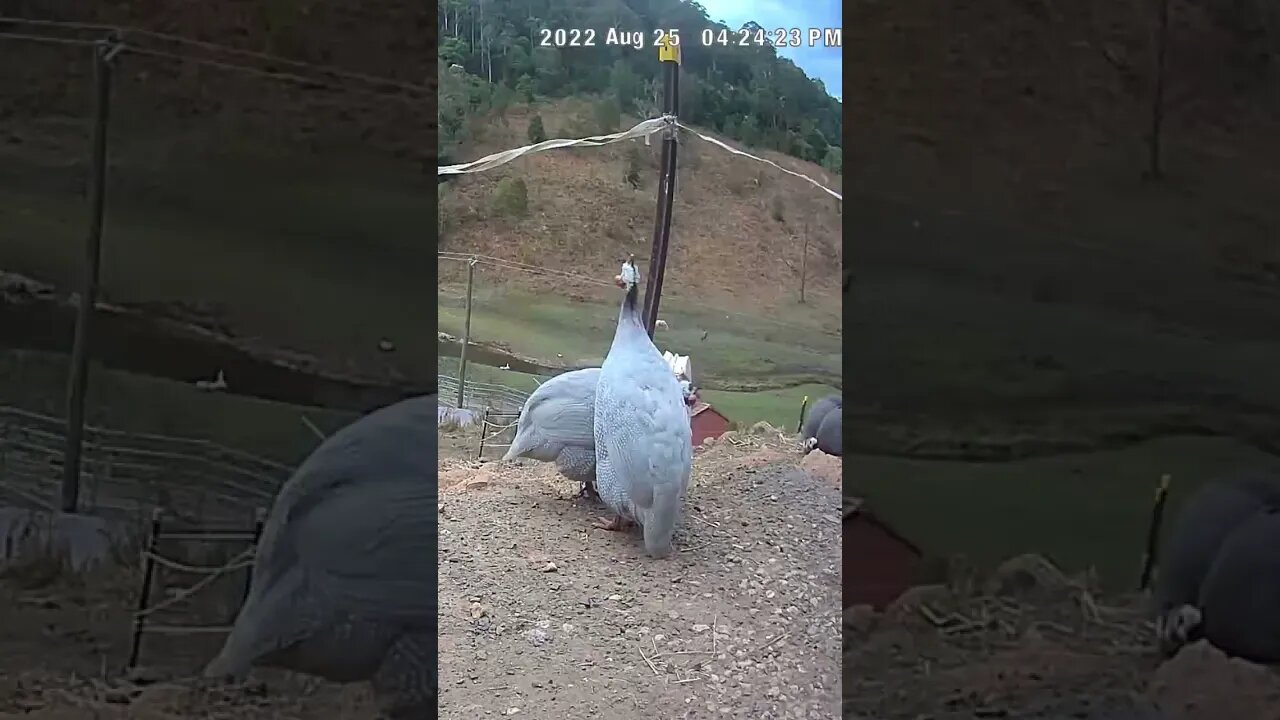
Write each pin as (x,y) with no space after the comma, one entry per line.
(557,424)
(644,441)
(1203,523)
(813,419)
(344,583)
(1240,596)
(828,438)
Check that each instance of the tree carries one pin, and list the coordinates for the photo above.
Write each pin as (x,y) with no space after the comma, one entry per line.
(626,84)
(501,101)
(751,93)
(511,198)
(749,132)
(524,88)
(608,114)
(634,162)
(537,133)
(834,159)
(730,128)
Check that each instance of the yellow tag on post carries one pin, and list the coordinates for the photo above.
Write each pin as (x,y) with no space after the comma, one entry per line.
(668,52)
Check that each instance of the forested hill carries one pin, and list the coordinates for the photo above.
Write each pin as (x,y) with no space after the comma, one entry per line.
(745,91)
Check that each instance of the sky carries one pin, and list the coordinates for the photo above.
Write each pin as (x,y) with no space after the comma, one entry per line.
(820,63)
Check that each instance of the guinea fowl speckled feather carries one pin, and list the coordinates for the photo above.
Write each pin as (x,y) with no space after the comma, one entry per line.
(644,441)
(813,419)
(557,424)
(828,435)
(1240,596)
(1203,523)
(344,582)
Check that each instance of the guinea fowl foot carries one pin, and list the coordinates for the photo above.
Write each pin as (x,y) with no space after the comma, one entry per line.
(587,492)
(614,524)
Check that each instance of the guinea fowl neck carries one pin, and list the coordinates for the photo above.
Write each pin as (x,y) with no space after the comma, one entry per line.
(629,323)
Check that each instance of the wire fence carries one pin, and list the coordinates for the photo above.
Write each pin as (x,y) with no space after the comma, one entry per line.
(480,396)
(263,224)
(128,475)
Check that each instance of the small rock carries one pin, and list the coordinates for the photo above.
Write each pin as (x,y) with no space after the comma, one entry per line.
(538,637)
(550,567)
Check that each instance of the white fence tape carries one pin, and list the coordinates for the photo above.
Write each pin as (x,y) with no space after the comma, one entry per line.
(648,127)
(642,129)
(735,151)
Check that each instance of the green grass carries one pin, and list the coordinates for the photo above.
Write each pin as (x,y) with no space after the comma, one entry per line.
(321,254)
(123,401)
(741,352)
(780,408)
(1086,510)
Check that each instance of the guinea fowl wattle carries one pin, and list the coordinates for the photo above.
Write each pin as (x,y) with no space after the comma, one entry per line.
(644,442)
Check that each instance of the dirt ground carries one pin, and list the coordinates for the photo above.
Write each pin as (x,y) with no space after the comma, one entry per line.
(65,642)
(544,616)
(1031,643)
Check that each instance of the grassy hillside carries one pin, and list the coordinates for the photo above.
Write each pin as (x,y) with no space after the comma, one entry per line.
(1013,261)
(290,214)
(1021,282)
(731,292)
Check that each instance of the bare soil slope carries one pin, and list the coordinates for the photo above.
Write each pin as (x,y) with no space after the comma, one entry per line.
(996,161)
(737,228)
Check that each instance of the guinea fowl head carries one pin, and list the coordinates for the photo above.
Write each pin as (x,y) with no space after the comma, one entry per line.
(629,279)
(1177,627)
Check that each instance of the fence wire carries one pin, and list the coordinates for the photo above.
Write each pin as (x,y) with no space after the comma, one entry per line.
(126,475)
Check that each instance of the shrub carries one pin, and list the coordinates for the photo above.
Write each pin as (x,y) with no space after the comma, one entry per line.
(536,132)
(511,197)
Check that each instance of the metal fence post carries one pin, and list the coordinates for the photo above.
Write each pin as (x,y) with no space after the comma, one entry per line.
(484,429)
(104,54)
(669,57)
(466,335)
(144,593)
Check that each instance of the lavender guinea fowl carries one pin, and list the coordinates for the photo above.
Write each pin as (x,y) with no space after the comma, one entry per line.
(344,582)
(557,424)
(813,419)
(644,441)
(1202,525)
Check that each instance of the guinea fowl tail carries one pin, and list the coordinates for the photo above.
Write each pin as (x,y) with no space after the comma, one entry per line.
(661,523)
(517,447)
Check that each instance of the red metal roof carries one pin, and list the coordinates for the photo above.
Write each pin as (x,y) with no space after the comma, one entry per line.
(858,506)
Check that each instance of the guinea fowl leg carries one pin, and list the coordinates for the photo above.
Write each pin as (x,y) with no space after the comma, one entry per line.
(614,524)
